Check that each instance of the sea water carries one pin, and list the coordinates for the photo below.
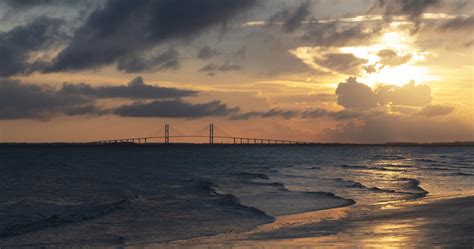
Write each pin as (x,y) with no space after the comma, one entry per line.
(72,195)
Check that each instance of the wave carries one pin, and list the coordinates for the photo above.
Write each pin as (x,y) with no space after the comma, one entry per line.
(230,200)
(413,187)
(348,166)
(354,184)
(253,175)
(343,201)
(409,187)
(361,167)
(462,174)
(68,218)
(464,167)
(465,162)
(350,183)
(294,202)
(390,157)
(397,165)
(425,160)
(10,202)
(436,168)
(348,202)
(277,201)
(277,185)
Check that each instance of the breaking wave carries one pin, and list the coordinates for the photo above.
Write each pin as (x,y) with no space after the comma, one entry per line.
(354,184)
(274,199)
(407,186)
(229,199)
(412,186)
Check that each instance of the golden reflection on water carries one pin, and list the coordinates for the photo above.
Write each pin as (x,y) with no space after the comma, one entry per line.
(379,233)
(392,234)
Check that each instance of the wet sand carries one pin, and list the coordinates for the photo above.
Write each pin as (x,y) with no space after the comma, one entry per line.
(445,223)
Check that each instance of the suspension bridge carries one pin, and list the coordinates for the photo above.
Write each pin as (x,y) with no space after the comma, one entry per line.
(211,136)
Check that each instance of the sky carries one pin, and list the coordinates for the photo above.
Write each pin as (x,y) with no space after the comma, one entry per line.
(355,71)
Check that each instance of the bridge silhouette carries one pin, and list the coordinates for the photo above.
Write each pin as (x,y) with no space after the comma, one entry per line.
(166,139)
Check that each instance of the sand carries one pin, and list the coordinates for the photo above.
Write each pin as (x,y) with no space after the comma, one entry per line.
(444,223)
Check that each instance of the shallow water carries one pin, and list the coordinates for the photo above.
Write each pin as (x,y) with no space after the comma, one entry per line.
(108,195)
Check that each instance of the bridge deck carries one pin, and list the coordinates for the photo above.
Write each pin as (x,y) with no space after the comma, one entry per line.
(234,140)
(211,136)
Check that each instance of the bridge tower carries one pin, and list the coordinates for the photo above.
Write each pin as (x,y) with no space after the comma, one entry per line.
(167,133)
(211,133)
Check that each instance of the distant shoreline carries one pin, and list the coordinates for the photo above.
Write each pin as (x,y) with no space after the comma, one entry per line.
(467,143)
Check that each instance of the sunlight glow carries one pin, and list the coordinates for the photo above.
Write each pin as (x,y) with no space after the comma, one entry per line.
(394,38)
(399,42)
(399,75)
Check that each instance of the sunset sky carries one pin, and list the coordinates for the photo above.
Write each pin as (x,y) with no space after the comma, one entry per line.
(364,71)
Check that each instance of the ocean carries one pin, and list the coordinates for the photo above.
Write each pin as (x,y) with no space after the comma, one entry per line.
(69,196)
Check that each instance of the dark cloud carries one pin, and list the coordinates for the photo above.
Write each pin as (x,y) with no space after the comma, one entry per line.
(337,115)
(241,53)
(292,19)
(286,114)
(459,23)
(435,110)
(389,57)
(126,27)
(206,53)
(18,44)
(90,109)
(168,60)
(408,95)
(23,4)
(136,89)
(211,68)
(174,109)
(19,100)
(34,101)
(304,114)
(352,94)
(335,34)
(342,63)
(412,8)
(268,56)
(341,33)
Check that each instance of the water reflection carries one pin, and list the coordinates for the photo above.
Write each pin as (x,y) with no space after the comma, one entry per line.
(389,233)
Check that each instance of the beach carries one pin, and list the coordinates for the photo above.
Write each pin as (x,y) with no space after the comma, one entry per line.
(441,223)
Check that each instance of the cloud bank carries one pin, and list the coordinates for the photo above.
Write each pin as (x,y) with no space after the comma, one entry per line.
(19,100)
(136,89)
(174,109)
(130,28)
(34,101)
(17,45)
